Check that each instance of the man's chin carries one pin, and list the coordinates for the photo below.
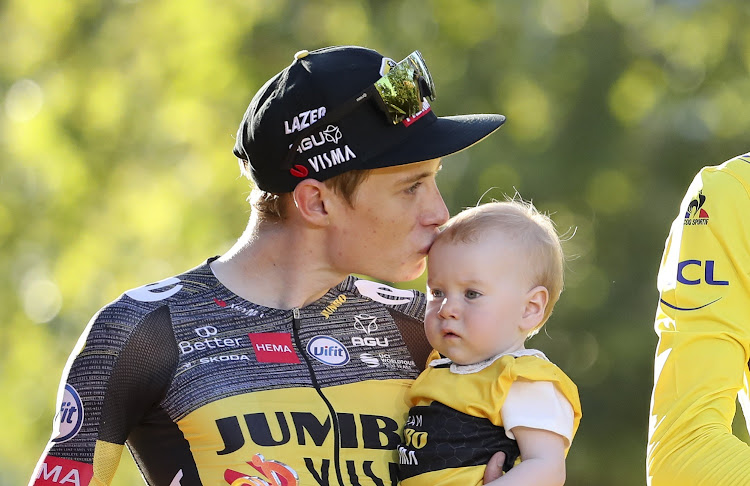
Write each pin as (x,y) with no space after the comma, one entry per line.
(403,274)
(412,273)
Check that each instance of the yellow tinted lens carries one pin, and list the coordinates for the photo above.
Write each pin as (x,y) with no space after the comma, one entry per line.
(400,87)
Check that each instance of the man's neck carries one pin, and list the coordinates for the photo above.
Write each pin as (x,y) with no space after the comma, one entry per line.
(276,265)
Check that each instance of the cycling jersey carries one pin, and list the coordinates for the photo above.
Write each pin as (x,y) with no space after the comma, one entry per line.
(456,422)
(208,388)
(703,325)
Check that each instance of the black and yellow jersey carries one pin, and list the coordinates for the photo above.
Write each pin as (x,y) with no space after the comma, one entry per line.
(207,388)
(456,424)
(703,325)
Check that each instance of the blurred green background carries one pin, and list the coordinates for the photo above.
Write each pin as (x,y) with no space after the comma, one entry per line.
(116,129)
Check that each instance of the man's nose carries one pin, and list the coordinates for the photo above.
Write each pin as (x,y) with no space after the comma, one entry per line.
(435,211)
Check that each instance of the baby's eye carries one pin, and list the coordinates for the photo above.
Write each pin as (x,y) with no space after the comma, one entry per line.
(472,294)
(436,293)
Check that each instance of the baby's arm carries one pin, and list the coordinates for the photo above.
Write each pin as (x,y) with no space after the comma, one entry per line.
(542,459)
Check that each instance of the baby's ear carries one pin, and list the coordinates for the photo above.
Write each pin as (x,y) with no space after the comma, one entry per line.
(536,303)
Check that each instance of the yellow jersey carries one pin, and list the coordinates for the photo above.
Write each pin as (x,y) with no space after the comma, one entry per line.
(703,325)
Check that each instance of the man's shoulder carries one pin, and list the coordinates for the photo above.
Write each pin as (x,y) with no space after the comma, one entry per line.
(135,304)
(729,173)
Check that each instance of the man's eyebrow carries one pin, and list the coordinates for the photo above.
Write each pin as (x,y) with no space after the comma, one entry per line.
(421,175)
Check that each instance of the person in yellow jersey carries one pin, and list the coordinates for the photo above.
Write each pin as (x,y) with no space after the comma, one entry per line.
(494,275)
(703,325)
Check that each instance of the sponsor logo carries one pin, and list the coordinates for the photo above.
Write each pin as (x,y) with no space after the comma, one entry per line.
(148,293)
(224,358)
(373,342)
(413,441)
(299,171)
(385,360)
(331,134)
(326,160)
(425,109)
(245,311)
(383,293)
(208,342)
(328,350)
(335,304)
(365,323)
(688,274)
(369,360)
(695,214)
(56,470)
(237,308)
(708,273)
(205,331)
(273,347)
(176,479)
(274,473)
(69,419)
(304,120)
(279,428)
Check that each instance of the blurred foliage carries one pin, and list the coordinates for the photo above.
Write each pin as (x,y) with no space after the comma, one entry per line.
(117,122)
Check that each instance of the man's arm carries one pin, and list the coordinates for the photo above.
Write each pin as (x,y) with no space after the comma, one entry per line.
(118,370)
(703,324)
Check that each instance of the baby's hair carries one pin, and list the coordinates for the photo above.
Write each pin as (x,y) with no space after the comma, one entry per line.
(534,232)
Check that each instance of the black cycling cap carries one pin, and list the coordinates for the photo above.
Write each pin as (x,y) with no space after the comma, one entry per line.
(320,117)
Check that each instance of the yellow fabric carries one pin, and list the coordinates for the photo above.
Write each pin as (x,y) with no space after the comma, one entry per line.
(482,394)
(106,459)
(703,325)
(370,411)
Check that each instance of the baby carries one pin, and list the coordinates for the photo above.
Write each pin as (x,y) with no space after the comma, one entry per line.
(494,274)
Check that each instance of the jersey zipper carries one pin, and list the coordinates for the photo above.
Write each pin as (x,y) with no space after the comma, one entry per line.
(332,412)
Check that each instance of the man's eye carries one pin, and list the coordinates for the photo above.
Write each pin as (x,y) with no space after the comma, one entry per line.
(413,188)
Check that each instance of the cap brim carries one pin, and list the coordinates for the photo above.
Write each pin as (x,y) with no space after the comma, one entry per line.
(446,136)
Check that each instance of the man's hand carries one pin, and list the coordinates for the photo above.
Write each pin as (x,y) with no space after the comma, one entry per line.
(494,468)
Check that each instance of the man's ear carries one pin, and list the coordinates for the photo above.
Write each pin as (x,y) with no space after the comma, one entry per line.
(536,303)
(311,198)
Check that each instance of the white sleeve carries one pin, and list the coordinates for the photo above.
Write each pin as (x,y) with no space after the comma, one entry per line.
(537,405)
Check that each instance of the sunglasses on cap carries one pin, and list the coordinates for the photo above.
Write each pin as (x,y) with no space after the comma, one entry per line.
(399,94)
(400,91)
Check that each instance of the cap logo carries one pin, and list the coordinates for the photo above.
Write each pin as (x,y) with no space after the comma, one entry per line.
(385,65)
(326,160)
(304,120)
(299,171)
(331,134)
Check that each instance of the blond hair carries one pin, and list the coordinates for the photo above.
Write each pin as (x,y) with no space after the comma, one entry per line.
(271,206)
(535,233)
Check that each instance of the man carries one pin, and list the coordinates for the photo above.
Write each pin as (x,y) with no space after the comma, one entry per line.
(703,324)
(270,364)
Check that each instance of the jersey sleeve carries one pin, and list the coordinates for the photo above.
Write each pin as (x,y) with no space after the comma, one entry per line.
(118,370)
(537,405)
(703,325)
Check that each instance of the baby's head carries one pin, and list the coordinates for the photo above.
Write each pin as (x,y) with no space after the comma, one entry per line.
(495,273)
(520,221)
